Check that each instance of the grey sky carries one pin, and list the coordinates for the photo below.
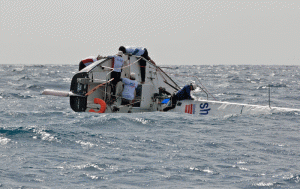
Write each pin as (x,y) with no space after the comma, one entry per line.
(174,31)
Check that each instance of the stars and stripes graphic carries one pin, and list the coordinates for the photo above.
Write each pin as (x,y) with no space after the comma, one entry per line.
(190,109)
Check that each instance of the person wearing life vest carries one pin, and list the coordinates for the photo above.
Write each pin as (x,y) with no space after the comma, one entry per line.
(129,89)
(182,94)
(138,51)
(88,60)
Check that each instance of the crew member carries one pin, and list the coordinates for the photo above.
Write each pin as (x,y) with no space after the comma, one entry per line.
(89,60)
(118,62)
(129,88)
(139,51)
(182,94)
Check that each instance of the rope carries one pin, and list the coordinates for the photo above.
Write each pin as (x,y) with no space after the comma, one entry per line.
(206,91)
(204,88)
(160,71)
(117,97)
(127,65)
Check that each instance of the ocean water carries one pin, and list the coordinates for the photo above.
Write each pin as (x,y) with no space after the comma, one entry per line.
(44,144)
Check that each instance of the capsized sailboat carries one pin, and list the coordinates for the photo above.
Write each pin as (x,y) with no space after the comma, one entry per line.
(91,91)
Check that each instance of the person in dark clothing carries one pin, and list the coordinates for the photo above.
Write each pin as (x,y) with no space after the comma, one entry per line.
(182,94)
(139,51)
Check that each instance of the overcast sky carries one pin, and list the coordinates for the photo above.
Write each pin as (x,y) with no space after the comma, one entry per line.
(175,32)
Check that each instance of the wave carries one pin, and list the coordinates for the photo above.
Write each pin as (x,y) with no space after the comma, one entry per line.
(4,141)
(21,96)
(293,178)
(23,133)
(16,131)
(277,85)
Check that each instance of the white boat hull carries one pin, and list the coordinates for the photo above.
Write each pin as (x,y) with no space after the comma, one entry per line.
(147,98)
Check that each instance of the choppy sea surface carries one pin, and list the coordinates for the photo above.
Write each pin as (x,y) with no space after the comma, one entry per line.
(44,144)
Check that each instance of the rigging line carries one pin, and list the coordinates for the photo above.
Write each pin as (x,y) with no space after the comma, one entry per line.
(171,85)
(123,66)
(206,91)
(117,96)
(205,88)
(176,88)
(160,70)
(112,105)
(131,63)
(167,67)
(162,76)
(130,104)
(95,88)
(168,77)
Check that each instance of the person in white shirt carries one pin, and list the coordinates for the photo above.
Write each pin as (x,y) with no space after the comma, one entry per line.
(88,60)
(129,88)
(138,51)
(118,62)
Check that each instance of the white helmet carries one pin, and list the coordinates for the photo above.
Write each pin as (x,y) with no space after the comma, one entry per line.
(193,85)
(132,76)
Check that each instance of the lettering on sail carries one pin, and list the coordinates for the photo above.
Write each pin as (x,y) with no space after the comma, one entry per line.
(204,109)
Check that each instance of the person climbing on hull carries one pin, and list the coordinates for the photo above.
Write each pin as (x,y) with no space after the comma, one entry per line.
(88,60)
(138,51)
(117,65)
